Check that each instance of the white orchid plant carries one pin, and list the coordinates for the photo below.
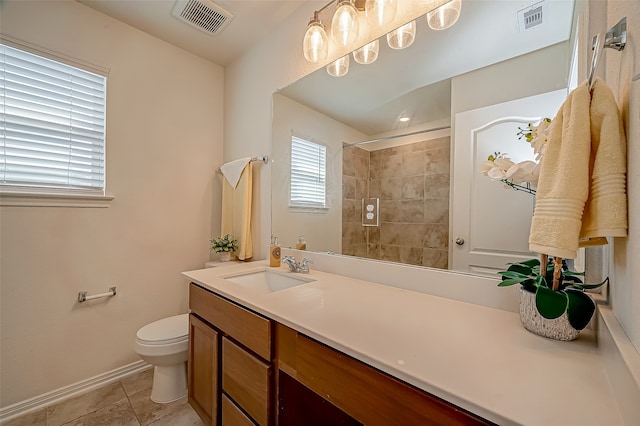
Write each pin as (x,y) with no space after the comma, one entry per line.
(522,176)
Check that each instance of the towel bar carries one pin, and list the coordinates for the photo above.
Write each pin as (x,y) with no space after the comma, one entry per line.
(614,38)
(82,296)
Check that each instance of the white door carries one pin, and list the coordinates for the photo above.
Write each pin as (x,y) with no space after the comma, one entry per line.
(490,222)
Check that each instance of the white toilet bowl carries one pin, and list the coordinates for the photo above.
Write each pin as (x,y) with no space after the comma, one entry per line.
(165,345)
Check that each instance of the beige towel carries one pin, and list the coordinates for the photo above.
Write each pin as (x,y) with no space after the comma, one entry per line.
(605,213)
(236,211)
(576,172)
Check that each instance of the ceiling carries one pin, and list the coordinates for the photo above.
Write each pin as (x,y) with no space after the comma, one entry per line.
(252,20)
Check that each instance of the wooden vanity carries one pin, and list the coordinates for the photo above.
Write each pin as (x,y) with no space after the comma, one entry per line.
(336,350)
(246,369)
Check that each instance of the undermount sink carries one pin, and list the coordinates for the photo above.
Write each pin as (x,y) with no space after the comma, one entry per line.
(267,280)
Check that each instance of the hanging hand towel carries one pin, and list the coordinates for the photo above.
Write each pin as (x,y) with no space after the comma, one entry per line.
(236,211)
(581,193)
(605,213)
(563,186)
(233,169)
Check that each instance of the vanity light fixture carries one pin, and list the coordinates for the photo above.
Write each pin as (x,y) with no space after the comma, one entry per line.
(444,16)
(339,67)
(352,17)
(380,12)
(316,41)
(345,23)
(367,53)
(402,37)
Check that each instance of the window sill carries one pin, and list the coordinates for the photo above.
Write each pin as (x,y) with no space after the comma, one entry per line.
(13,199)
(301,209)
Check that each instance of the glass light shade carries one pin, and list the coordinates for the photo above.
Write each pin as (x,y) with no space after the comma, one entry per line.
(367,53)
(345,24)
(380,12)
(402,37)
(339,67)
(316,42)
(444,16)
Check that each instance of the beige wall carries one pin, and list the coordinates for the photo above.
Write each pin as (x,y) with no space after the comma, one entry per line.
(164,141)
(320,228)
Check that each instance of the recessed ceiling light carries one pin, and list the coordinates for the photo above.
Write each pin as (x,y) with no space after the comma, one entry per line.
(404,119)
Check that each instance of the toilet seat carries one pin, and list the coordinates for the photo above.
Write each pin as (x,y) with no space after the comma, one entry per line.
(165,331)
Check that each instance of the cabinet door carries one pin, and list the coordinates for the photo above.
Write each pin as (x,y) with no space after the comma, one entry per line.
(203,367)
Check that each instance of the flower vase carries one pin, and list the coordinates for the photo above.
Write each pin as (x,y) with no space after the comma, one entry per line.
(225,256)
(557,328)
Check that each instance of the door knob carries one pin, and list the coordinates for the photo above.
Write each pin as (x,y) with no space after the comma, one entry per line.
(459,241)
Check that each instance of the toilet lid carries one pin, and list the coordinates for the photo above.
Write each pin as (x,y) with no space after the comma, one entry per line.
(167,330)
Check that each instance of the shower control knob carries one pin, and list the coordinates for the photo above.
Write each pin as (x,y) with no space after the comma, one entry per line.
(459,241)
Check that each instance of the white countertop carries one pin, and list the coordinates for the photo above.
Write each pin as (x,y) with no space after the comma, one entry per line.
(478,358)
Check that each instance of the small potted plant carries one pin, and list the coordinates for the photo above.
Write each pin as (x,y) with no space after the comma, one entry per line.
(224,245)
(553,302)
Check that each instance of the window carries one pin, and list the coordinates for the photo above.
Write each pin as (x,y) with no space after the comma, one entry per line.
(308,174)
(52,126)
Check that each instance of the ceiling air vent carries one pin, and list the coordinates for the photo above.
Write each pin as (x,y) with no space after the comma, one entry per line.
(205,15)
(532,16)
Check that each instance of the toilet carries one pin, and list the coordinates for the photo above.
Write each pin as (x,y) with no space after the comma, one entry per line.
(165,345)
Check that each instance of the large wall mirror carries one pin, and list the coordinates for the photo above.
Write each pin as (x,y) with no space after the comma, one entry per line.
(465,90)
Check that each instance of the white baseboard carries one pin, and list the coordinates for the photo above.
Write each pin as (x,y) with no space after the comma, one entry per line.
(56,396)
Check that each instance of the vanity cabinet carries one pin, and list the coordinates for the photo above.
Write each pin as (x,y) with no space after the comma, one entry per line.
(230,372)
(245,369)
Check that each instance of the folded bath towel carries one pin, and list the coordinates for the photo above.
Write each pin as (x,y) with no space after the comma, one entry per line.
(233,169)
(605,213)
(236,211)
(576,171)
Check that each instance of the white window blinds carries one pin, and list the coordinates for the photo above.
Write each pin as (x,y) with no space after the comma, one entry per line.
(308,174)
(52,124)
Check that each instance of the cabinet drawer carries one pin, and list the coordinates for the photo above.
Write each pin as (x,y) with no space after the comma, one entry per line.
(246,379)
(246,327)
(232,415)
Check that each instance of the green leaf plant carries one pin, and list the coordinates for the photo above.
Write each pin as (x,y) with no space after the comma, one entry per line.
(558,290)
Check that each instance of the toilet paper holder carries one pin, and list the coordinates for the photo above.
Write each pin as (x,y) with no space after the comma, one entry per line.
(82,296)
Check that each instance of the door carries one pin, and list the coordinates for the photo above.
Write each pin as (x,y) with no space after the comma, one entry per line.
(490,222)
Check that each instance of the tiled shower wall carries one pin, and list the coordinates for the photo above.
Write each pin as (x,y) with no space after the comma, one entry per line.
(412,182)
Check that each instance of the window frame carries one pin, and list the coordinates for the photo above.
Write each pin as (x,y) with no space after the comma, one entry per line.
(42,196)
(308,207)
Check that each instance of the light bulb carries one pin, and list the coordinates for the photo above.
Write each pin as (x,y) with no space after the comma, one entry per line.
(380,12)
(339,67)
(444,16)
(403,36)
(367,53)
(316,43)
(344,25)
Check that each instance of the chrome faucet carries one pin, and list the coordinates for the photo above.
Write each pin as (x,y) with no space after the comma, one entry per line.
(294,266)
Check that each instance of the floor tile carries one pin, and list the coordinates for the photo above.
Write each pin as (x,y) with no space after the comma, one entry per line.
(74,408)
(139,382)
(38,418)
(182,415)
(120,414)
(148,411)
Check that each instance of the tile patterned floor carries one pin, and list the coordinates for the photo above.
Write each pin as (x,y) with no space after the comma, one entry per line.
(125,403)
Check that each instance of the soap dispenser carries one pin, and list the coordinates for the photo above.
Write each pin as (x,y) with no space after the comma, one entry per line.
(274,253)
(301,244)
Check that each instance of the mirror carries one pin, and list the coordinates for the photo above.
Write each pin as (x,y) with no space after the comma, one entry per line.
(488,57)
